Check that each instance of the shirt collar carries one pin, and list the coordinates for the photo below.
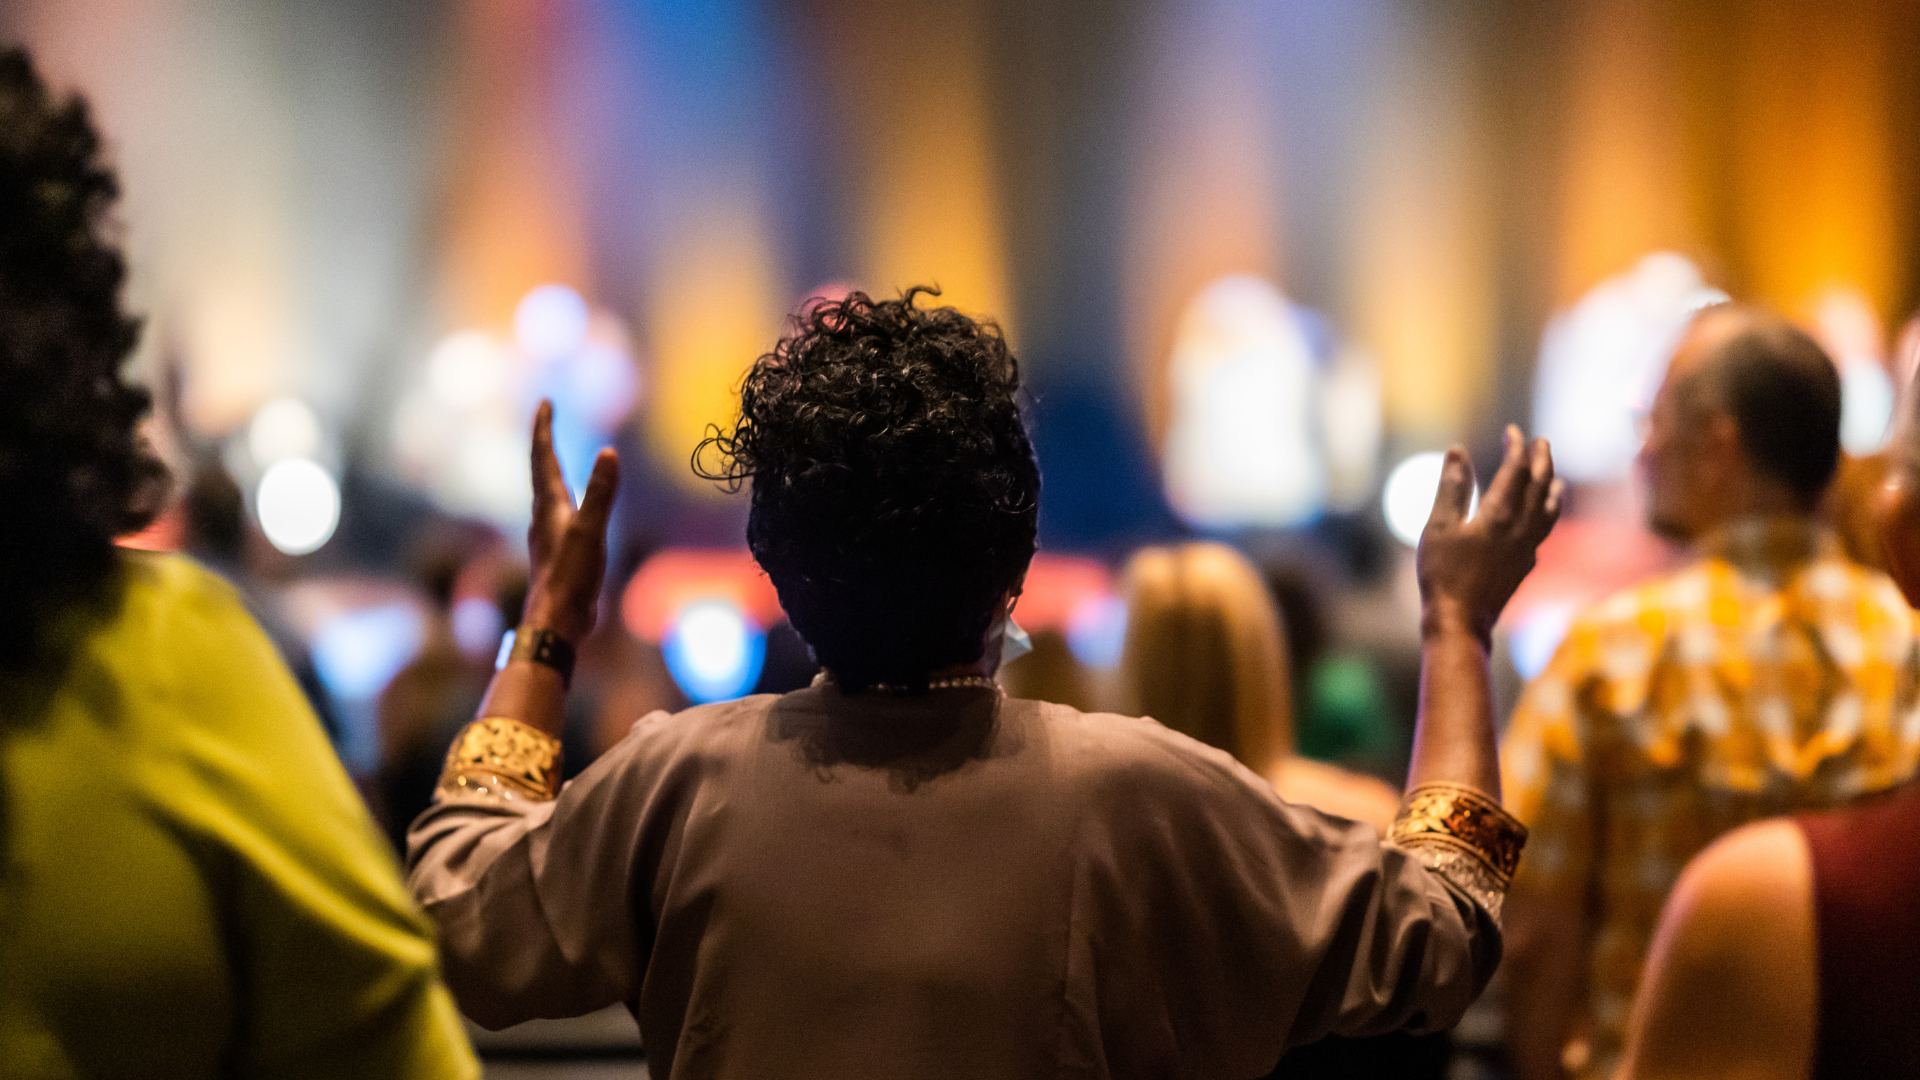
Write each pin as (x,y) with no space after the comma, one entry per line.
(1767,545)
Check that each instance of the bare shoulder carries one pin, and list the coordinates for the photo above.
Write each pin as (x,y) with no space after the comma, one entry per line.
(1731,985)
(1336,791)
(1746,874)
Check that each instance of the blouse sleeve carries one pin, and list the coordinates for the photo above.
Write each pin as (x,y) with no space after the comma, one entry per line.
(334,966)
(1262,924)
(540,909)
(1406,937)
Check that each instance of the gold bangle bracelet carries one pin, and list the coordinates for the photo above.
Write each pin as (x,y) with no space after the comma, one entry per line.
(499,757)
(1463,819)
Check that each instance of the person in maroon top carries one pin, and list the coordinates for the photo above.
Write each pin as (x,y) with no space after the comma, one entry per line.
(1791,948)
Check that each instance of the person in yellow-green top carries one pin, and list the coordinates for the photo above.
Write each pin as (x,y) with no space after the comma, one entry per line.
(189,886)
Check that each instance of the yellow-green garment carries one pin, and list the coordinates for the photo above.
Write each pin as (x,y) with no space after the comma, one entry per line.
(189,885)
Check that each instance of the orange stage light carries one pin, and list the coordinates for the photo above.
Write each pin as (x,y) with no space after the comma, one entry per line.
(677,577)
(1058,587)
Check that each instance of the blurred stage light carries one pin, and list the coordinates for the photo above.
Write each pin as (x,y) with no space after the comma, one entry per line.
(357,653)
(714,652)
(283,428)
(1097,632)
(1866,408)
(1408,498)
(1531,641)
(593,391)
(1602,359)
(1848,327)
(676,578)
(466,370)
(550,322)
(831,292)
(477,626)
(1351,425)
(597,383)
(491,473)
(1240,448)
(298,505)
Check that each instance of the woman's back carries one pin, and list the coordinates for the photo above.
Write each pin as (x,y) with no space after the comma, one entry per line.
(192,887)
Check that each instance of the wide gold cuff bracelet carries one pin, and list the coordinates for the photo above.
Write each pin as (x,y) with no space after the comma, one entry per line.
(498,758)
(1463,835)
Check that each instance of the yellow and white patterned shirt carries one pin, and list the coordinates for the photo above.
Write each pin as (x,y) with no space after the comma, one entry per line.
(1770,676)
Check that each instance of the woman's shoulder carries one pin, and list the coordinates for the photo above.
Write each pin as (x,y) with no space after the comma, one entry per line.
(162,588)
(1732,977)
(176,575)
(184,643)
(1139,753)
(1140,784)
(176,617)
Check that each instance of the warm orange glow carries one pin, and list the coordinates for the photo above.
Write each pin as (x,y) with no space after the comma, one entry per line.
(676,577)
(712,307)
(1815,196)
(514,218)
(915,99)
(166,532)
(1624,178)
(1205,198)
(1421,291)
(1764,143)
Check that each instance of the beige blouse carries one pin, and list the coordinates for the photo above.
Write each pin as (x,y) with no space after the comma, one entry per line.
(959,884)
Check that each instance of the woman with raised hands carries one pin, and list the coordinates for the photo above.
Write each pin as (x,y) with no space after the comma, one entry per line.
(899,871)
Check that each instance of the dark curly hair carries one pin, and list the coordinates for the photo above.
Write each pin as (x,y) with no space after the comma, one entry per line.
(895,493)
(74,472)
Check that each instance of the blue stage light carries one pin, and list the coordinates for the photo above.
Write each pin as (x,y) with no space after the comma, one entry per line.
(1098,632)
(713,651)
(358,652)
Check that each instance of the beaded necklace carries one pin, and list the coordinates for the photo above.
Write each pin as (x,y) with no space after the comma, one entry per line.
(962,682)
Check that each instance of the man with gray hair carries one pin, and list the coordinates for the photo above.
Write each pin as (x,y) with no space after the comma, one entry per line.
(1768,675)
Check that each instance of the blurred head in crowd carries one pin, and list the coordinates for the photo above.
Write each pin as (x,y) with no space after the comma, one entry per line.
(895,492)
(216,514)
(436,567)
(1051,673)
(1204,651)
(1747,422)
(74,471)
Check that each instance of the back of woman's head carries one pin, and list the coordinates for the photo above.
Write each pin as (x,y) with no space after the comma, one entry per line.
(895,494)
(1204,653)
(73,471)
